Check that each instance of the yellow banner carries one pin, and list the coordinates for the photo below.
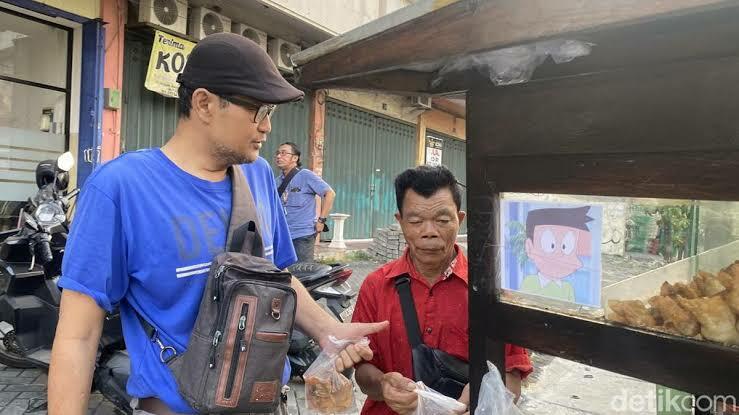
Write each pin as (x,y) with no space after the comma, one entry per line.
(168,58)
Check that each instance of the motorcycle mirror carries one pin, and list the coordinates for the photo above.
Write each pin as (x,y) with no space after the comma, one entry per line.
(30,221)
(65,162)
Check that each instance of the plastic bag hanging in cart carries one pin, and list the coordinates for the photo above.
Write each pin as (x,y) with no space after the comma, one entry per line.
(495,398)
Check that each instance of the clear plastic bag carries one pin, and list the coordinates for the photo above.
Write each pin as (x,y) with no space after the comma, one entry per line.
(516,64)
(431,402)
(326,390)
(495,398)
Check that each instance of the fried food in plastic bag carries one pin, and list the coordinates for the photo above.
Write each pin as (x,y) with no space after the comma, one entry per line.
(326,390)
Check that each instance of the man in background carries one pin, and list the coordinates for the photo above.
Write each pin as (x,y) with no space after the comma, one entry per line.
(298,189)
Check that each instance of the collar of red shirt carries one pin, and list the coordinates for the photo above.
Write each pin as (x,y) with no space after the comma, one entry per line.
(404,265)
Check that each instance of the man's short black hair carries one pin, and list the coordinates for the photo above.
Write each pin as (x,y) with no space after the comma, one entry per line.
(426,180)
(294,149)
(184,101)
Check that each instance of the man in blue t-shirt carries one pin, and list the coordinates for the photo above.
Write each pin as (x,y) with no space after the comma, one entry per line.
(299,199)
(149,223)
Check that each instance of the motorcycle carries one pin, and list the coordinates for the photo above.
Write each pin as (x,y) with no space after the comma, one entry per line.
(327,284)
(30,266)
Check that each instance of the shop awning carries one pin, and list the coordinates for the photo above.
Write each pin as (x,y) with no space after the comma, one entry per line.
(406,51)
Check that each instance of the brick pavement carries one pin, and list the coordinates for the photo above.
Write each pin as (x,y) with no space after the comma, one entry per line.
(24,392)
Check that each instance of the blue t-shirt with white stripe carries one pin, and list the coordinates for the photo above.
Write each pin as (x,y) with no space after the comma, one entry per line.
(143,237)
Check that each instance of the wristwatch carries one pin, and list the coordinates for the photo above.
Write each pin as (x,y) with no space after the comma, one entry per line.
(322,220)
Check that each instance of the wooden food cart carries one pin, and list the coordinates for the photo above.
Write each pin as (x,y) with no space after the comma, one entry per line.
(649,111)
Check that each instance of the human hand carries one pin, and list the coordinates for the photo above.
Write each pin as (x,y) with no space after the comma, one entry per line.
(513,383)
(354,354)
(465,398)
(398,392)
(320,226)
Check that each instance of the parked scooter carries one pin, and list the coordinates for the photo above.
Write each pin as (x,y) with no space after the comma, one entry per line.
(30,266)
(323,282)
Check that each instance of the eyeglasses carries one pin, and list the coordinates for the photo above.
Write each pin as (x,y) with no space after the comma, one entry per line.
(262,111)
(283,153)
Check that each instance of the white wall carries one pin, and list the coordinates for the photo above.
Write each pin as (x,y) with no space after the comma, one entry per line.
(393,106)
(339,16)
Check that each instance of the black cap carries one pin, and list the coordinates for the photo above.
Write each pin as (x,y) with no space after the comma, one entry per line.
(230,64)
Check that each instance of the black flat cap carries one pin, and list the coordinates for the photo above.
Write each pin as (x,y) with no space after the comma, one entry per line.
(230,64)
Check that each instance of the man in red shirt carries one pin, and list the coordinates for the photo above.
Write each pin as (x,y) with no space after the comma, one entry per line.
(429,214)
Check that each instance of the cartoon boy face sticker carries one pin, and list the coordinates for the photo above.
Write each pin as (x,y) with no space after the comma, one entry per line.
(553,250)
(554,239)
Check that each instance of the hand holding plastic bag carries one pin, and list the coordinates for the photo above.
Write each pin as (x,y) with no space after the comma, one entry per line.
(431,402)
(327,391)
(494,398)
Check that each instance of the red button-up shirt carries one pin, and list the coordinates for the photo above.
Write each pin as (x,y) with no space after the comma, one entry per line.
(442,316)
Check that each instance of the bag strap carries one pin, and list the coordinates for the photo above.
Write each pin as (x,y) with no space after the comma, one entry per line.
(286,181)
(403,286)
(243,228)
(243,236)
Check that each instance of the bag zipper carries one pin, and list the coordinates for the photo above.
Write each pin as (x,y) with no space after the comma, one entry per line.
(216,291)
(216,297)
(239,347)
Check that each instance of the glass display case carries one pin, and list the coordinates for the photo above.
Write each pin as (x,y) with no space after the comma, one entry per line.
(604,222)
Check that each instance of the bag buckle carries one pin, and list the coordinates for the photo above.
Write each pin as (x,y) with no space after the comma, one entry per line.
(276,307)
(166,353)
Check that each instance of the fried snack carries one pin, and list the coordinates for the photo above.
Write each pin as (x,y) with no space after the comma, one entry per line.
(674,316)
(732,299)
(667,290)
(329,396)
(726,279)
(617,318)
(634,312)
(689,291)
(731,296)
(717,321)
(658,319)
(708,284)
(733,269)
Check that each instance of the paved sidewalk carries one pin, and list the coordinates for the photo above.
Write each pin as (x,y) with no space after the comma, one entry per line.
(23,391)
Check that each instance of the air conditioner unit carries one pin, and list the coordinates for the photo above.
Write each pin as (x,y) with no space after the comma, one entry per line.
(204,22)
(168,14)
(259,37)
(421,101)
(280,51)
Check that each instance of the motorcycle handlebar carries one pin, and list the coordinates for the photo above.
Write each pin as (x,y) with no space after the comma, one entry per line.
(72,194)
(43,249)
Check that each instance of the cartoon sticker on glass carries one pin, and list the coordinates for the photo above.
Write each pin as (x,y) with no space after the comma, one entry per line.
(552,250)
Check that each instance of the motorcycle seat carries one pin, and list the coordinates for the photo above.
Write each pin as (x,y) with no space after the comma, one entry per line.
(306,271)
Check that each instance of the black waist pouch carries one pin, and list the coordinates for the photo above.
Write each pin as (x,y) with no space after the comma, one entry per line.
(436,368)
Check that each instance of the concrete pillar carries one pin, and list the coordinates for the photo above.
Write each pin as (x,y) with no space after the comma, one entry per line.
(114,15)
(316,135)
(338,239)
(421,140)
